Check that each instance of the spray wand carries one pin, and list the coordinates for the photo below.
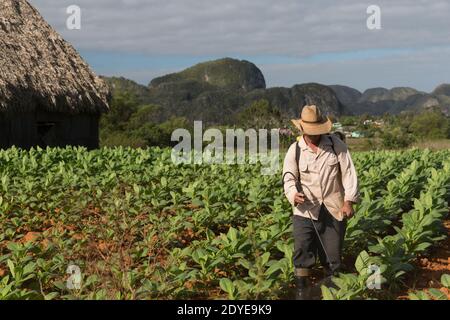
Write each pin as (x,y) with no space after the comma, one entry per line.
(299,188)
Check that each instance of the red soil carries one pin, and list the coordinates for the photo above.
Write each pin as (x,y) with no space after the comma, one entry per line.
(428,270)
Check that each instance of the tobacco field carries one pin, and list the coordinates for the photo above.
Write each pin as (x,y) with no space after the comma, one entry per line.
(135,226)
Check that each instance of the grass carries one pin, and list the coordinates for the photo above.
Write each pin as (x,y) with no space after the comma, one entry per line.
(364,144)
(371,144)
(433,144)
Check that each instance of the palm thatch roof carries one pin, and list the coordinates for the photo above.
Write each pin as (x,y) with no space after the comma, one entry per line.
(38,69)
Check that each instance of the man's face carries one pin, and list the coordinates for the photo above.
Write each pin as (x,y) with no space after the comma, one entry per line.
(313,139)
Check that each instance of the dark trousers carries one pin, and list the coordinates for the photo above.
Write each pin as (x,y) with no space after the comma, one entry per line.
(307,246)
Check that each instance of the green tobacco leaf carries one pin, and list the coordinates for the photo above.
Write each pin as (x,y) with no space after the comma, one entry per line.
(13,246)
(362,261)
(421,295)
(445,280)
(11,268)
(197,202)
(422,246)
(413,296)
(51,296)
(437,294)
(60,285)
(265,258)
(232,234)
(245,263)
(273,268)
(326,293)
(227,286)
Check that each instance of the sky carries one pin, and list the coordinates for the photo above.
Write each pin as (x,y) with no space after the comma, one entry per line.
(291,41)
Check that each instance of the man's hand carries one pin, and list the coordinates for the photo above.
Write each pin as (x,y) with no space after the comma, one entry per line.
(347,209)
(299,198)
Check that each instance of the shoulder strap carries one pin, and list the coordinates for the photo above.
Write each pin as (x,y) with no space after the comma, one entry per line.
(332,147)
(297,160)
(334,150)
(332,144)
(298,183)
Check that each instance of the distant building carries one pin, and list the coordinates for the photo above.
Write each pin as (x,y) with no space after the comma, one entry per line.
(379,123)
(48,95)
(357,134)
(337,126)
(376,123)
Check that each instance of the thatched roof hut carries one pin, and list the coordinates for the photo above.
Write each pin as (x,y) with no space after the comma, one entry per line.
(44,83)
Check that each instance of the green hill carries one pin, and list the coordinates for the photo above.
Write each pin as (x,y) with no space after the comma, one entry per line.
(118,85)
(216,91)
(224,73)
(443,89)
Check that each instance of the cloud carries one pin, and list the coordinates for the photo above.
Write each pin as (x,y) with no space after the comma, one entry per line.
(289,29)
(421,69)
(217,27)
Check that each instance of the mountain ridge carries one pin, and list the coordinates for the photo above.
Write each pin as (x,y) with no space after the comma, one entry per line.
(215,91)
(379,100)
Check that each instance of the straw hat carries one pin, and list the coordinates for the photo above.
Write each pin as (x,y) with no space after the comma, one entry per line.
(312,122)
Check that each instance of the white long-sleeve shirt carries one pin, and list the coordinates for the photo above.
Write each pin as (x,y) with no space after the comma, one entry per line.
(320,178)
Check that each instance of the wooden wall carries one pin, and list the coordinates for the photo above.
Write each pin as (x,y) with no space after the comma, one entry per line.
(74,130)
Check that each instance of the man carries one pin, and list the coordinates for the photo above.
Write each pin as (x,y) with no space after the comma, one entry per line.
(320,182)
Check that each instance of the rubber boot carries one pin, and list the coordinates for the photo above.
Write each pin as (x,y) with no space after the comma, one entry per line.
(327,280)
(303,288)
